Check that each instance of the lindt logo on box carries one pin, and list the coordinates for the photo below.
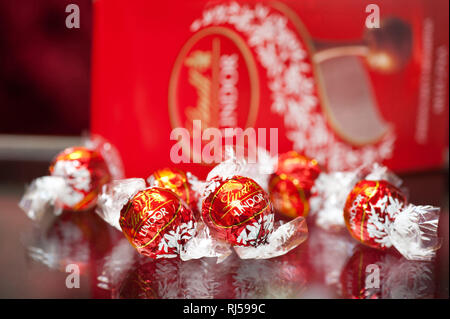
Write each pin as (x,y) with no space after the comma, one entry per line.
(253,64)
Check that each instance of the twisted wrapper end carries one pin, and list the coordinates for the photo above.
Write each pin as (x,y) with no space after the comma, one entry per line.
(41,197)
(114,196)
(198,186)
(377,172)
(414,232)
(330,192)
(282,240)
(109,153)
(259,168)
(202,244)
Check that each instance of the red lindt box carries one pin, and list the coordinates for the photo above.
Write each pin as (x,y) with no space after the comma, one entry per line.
(343,82)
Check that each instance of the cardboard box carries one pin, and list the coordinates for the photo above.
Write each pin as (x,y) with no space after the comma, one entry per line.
(340,85)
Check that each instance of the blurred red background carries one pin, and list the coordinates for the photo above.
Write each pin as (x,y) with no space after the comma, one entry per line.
(44,68)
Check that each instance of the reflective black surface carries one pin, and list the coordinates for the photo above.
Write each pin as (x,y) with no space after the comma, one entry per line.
(327,265)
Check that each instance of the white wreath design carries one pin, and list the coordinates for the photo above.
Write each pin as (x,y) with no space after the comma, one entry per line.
(292,85)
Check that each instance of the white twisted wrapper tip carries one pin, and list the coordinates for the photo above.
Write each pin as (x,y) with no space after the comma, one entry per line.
(202,244)
(41,197)
(258,168)
(283,239)
(109,153)
(114,196)
(377,172)
(48,194)
(414,232)
(330,192)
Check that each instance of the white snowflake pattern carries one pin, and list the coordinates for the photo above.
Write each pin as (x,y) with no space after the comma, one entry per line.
(289,77)
(377,225)
(171,241)
(77,180)
(250,234)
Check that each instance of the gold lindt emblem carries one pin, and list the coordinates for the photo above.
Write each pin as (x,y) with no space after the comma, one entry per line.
(207,69)
(234,191)
(198,63)
(203,75)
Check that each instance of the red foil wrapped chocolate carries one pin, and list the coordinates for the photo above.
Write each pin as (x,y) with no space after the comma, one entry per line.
(177,181)
(370,208)
(85,172)
(238,211)
(157,222)
(290,185)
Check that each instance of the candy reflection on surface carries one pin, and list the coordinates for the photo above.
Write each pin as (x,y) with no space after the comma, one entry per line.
(126,274)
(282,277)
(71,238)
(374,274)
(328,251)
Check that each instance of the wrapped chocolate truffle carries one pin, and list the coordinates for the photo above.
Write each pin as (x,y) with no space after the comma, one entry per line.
(77,175)
(180,182)
(237,211)
(236,214)
(155,220)
(291,183)
(378,215)
(330,190)
(368,201)
(298,186)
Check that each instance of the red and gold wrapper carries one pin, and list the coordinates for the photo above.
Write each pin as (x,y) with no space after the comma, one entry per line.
(370,208)
(85,172)
(157,222)
(238,211)
(360,278)
(177,181)
(290,186)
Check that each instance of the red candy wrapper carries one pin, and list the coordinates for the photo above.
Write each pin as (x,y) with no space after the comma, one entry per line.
(298,186)
(369,205)
(185,236)
(180,182)
(368,201)
(85,172)
(77,175)
(155,220)
(290,186)
(236,214)
(378,215)
(238,211)
(330,190)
